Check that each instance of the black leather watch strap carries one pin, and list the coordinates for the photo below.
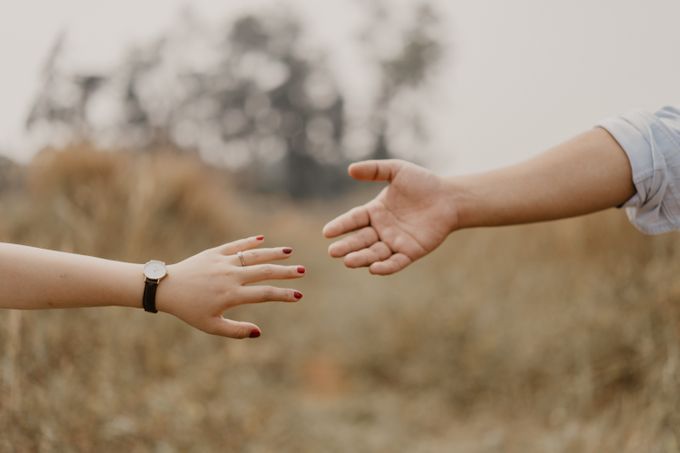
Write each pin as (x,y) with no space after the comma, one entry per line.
(149,299)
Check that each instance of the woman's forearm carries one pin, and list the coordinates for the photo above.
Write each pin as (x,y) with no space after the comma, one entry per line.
(32,278)
(589,173)
(197,290)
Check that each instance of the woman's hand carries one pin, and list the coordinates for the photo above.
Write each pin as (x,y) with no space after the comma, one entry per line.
(200,288)
(410,218)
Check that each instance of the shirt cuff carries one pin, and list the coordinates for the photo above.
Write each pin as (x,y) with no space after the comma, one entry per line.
(652,144)
(626,131)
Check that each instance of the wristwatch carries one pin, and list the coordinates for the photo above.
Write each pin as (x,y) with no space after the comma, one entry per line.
(154,271)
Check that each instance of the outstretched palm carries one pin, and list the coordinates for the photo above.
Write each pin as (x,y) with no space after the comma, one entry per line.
(405,222)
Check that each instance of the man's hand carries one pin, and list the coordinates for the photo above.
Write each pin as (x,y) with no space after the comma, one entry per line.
(406,221)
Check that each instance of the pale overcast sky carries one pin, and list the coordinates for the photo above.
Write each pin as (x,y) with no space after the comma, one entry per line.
(524,74)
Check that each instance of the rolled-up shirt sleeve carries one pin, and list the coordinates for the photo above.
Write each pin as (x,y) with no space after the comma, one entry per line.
(652,143)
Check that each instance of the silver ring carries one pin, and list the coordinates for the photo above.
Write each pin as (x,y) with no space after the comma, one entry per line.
(241,258)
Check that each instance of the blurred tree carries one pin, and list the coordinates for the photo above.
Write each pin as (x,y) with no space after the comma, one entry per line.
(251,98)
(10,175)
(406,69)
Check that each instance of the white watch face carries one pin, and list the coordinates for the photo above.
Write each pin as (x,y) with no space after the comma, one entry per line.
(155,270)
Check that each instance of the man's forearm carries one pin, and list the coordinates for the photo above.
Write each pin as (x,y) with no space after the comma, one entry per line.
(32,278)
(589,173)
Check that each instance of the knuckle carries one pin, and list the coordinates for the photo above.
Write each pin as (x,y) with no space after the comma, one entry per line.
(381,252)
(350,261)
(268,293)
(216,289)
(227,299)
(268,270)
(227,269)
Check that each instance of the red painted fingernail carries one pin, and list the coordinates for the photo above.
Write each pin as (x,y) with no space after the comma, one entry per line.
(298,295)
(255,333)
(301,269)
(260,238)
(287,251)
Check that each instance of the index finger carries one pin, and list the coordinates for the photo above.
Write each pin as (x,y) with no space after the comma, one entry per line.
(349,221)
(241,245)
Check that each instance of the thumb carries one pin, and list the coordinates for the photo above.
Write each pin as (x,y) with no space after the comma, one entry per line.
(375,170)
(233,329)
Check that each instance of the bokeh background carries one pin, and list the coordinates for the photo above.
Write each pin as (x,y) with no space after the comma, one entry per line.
(159,129)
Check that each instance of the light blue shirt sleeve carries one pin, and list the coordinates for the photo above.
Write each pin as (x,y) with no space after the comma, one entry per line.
(652,143)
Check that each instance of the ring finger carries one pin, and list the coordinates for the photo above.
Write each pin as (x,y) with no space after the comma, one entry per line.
(354,242)
(376,252)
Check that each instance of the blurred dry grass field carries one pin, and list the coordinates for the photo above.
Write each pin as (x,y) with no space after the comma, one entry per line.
(560,337)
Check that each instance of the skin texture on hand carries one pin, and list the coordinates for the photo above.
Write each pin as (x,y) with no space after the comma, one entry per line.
(199,289)
(410,218)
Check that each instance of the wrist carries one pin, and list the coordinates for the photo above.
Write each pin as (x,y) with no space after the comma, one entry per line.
(131,283)
(128,286)
(459,196)
(163,292)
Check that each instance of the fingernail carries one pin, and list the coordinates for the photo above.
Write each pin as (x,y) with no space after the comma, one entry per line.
(255,333)
(298,295)
(301,269)
(287,251)
(260,238)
